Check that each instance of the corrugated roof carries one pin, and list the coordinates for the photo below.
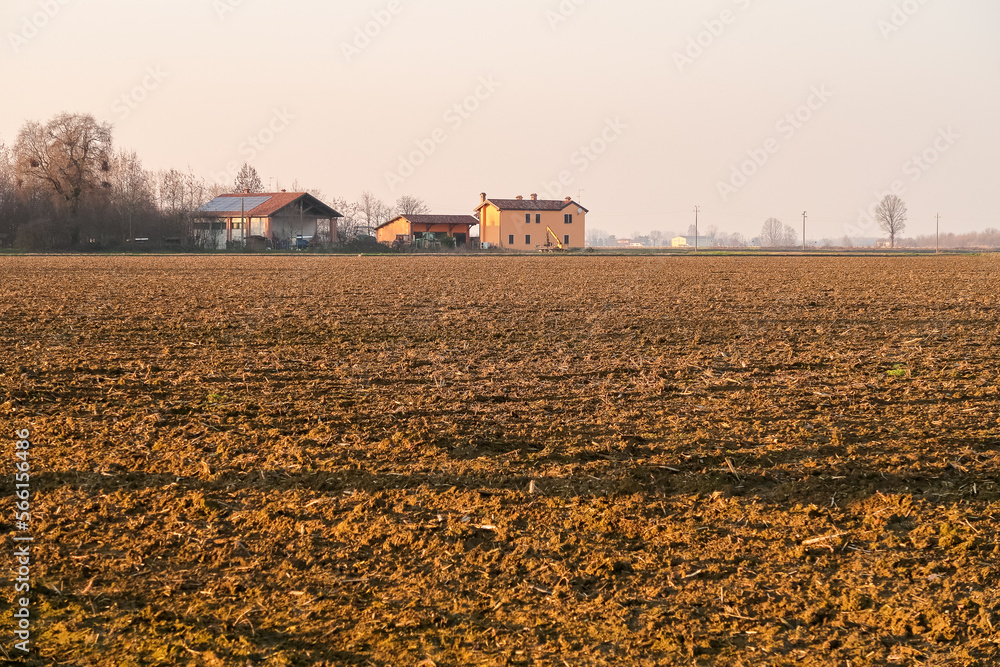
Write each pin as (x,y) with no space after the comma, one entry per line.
(265,204)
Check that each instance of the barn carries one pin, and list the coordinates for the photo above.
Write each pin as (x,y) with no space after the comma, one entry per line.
(403,229)
(276,219)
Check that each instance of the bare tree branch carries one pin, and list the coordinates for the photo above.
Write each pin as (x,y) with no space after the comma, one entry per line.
(891,216)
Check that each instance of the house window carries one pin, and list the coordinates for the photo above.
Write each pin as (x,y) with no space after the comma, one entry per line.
(527,239)
(568,218)
(566,240)
(527,218)
(538,218)
(510,240)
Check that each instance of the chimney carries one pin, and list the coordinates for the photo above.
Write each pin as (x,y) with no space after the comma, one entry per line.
(482,197)
(284,190)
(534,197)
(569,200)
(520,198)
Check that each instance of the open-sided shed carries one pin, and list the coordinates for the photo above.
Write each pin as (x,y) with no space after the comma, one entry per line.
(280,218)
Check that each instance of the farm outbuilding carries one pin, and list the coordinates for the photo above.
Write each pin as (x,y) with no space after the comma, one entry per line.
(278,219)
(403,229)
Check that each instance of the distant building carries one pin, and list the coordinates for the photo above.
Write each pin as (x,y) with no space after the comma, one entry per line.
(281,219)
(523,224)
(402,230)
(689,242)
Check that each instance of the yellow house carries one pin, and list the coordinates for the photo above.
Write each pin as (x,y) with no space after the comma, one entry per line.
(403,228)
(523,224)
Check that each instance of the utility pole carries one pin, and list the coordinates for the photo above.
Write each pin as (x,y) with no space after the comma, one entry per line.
(805,214)
(697,210)
(937,244)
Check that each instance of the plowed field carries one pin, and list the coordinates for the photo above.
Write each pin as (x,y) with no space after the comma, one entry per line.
(506,461)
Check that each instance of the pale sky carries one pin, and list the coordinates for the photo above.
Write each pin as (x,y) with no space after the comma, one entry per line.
(666,120)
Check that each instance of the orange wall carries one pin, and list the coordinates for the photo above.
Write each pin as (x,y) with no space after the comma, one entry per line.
(498,226)
(389,233)
(489,225)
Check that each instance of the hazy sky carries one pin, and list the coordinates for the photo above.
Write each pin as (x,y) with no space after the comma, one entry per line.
(747,108)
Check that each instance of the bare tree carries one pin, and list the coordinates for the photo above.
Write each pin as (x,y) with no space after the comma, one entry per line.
(8,199)
(132,194)
(349,226)
(409,205)
(891,216)
(772,234)
(315,192)
(734,240)
(656,236)
(789,237)
(597,238)
(372,211)
(70,156)
(248,180)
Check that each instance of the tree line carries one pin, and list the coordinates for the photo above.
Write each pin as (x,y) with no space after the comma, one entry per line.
(64,185)
(890,214)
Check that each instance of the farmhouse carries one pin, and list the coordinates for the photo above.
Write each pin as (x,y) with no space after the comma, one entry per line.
(525,224)
(281,219)
(402,230)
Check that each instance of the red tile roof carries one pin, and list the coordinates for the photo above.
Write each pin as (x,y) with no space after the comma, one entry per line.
(275,203)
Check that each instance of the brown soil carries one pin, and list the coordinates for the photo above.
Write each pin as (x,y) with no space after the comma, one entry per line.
(508,461)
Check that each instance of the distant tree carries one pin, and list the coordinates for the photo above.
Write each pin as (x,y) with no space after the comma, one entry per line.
(372,212)
(657,237)
(70,156)
(772,234)
(734,240)
(891,216)
(8,198)
(692,230)
(409,205)
(349,226)
(248,180)
(132,196)
(847,242)
(597,238)
(789,237)
(713,232)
